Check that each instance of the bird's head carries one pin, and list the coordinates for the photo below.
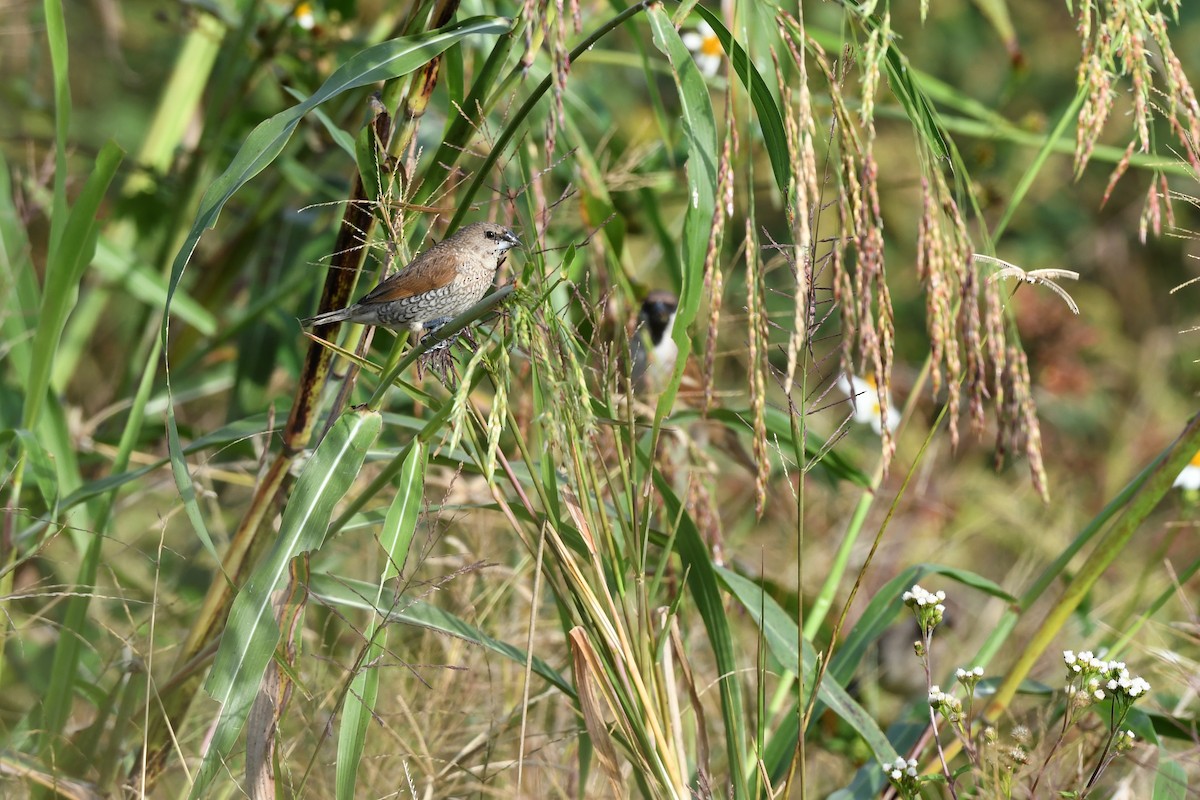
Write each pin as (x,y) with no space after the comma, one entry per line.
(658,314)
(492,238)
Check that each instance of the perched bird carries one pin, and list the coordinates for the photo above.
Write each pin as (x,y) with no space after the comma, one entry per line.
(653,350)
(436,286)
(653,354)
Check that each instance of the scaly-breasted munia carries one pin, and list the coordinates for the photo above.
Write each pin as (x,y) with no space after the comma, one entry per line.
(436,286)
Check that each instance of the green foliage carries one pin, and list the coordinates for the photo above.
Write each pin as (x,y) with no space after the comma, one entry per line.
(487,559)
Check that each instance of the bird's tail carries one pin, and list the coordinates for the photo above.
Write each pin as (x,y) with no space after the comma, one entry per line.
(328,318)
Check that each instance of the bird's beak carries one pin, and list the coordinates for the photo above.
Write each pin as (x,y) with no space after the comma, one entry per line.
(512,239)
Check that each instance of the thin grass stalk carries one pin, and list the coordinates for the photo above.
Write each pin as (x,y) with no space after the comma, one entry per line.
(630,689)
(883,525)
(534,603)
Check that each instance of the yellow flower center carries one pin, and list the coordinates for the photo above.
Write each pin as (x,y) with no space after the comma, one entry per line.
(710,46)
(1195,462)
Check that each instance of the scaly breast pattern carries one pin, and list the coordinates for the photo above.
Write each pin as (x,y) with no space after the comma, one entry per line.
(469,285)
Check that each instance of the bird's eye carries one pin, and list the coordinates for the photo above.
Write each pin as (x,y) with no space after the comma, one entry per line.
(491,234)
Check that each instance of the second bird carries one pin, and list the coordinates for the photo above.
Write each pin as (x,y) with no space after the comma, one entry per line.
(436,286)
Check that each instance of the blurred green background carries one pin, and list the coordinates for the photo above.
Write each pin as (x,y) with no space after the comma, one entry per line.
(1113,385)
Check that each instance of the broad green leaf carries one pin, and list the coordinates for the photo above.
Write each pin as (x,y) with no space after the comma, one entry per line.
(1170,779)
(700,133)
(782,636)
(342,592)
(395,539)
(770,119)
(251,634)
(64,272)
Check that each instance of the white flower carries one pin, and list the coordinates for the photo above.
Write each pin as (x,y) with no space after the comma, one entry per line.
(864,399)
(1189,479)
(706,48)
(304,16)
(965,675)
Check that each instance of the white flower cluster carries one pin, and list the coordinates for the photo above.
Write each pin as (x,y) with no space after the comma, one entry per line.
(1125,741)
(969,678)
(904,776)
(927,606)
(916,597)
(947,705)
(1098,677)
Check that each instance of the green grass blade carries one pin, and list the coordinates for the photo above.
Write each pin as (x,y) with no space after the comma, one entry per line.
(700,132)
(342,592)
(770,119)
(781,634)
(65,266)
(251,633)
(696,563)
(183,481)
(136,278)
(64,272)
(395,539)
(515,122)
(18,280)
(459,129)
(37,460)
(233,432)
(56,38)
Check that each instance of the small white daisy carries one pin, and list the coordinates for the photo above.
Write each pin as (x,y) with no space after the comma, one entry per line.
(304,16)
(865,400)
(706,48)
(1189,479)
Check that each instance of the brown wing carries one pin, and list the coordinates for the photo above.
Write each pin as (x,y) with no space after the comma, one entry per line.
(433,269)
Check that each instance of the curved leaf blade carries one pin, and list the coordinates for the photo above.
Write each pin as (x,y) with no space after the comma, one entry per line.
(251,634)
(395,538)
(770,119)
